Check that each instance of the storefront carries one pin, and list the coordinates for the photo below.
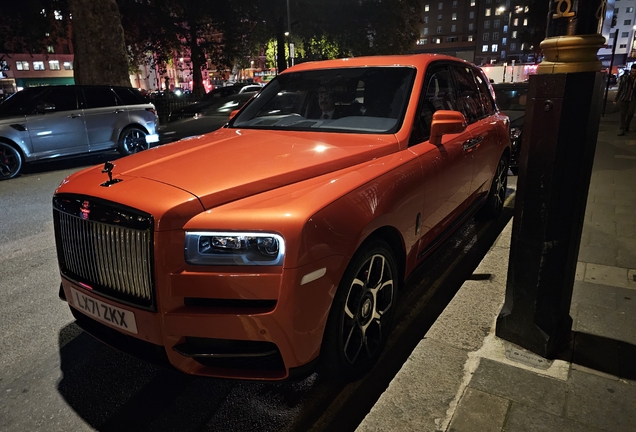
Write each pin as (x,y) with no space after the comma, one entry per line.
(39,82)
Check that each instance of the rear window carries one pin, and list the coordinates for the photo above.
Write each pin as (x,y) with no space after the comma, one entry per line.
(129,96)
(511,98)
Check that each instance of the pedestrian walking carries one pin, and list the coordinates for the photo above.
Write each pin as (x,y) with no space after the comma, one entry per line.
(626,99)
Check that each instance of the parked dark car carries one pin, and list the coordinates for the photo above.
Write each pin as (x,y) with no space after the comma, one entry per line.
(210,99)
(206,120)
(512,98)
(49,122)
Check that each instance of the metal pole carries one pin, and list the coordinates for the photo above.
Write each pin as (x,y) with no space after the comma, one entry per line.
(291,58)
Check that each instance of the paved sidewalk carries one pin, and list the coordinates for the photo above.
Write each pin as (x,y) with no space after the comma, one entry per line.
(462,378)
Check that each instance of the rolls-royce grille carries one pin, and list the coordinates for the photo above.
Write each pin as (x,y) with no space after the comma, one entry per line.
(112,254)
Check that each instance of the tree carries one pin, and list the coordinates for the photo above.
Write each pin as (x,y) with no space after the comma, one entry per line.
(30,26)
(98,41)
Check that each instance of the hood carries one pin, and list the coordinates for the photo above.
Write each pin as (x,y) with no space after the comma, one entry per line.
(231,164)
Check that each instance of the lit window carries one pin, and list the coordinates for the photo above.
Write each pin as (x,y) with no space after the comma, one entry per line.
(515,22)
(38,65)
(503,41)
(470,38)
(503,54)
(630,9)
(58,15)
(454,17)
(500,10)
(54,65)
(22,65)
(527,9)
(421,42)
(472,2)
(484,48)
(437,40)
(494,48)
(487,12)
(50,49)
(426,8)
(525,21)
(514,34)
(68,65)
(425,30)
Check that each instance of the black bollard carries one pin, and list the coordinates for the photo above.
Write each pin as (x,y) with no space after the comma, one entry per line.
(555,166)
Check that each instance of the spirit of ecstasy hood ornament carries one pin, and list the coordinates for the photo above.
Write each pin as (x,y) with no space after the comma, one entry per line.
(108,168)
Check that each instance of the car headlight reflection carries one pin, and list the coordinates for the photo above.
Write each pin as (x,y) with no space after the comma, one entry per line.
(233,248)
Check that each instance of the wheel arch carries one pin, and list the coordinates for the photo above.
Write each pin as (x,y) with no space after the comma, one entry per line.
(392,237)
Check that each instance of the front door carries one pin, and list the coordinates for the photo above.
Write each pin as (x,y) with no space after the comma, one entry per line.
(57,128)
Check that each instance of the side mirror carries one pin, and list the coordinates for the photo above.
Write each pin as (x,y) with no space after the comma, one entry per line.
(233,113)
(446,122)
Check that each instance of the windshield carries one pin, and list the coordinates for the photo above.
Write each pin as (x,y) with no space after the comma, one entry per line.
(355,100)
(511,99)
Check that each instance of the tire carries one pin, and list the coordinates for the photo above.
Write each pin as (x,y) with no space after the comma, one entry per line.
(10,161)
(361,314)
(132,140)
(497,194)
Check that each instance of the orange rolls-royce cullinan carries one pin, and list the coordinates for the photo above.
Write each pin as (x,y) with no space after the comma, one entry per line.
(278,242)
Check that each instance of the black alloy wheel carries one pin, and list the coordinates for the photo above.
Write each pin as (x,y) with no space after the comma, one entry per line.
(497,195)
(361,313)
(132,140)
(10,161)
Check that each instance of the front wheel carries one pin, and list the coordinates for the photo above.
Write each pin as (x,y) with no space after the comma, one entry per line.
(132,140)
(361,314)
(10,161)
(497,195)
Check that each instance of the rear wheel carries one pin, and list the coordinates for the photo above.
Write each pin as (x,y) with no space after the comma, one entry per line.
(10,161)
(361,314)
(132,140)
(497,195)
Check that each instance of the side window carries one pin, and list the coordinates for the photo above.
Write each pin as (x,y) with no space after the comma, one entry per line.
(487,101)
(438,93)
(127,96)
(63,98)
(469,98)
(99,97)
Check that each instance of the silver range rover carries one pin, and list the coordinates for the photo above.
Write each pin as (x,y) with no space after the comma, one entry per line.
(48,122)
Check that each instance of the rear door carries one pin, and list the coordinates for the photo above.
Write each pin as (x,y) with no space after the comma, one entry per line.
(57,128)
(104,117)
(475,101)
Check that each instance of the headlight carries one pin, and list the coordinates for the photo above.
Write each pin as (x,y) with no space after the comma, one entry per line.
(515,133)
(233,248)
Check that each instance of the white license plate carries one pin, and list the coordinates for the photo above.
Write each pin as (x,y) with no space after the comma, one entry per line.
(120,318)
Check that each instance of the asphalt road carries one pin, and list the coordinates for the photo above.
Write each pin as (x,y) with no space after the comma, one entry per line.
(54,377)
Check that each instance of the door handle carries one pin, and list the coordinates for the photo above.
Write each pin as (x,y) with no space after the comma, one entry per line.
(117,111)
(74,116)
(470,144)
